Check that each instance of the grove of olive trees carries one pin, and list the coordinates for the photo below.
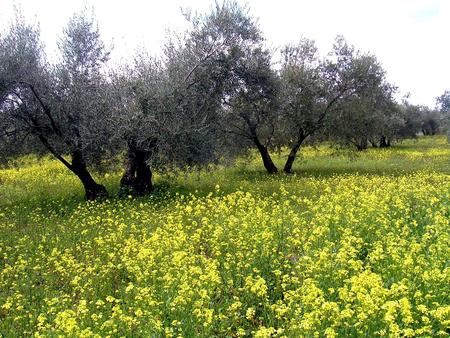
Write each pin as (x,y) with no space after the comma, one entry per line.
(214,92)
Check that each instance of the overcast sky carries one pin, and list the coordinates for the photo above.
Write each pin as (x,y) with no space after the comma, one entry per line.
(409,37)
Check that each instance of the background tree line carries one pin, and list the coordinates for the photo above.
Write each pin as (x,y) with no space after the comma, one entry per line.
(213,93)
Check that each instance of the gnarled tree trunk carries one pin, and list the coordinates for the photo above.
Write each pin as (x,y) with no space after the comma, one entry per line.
(92,189)
(361,144)
(137,178)
(384,142)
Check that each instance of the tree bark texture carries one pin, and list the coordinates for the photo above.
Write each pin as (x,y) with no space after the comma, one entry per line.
(137,178)
(92,189)
(293,154)
(267,160)
(361,144)
(384,142)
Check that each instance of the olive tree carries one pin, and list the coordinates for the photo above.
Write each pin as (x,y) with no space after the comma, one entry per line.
(312,89)
(411,115)
(22,79)
(443,102)
(239,67)
(368,116)
(302,95)
(250,110)
(249,85)
(431,122)
(443,105)
(61,106)
(168,108)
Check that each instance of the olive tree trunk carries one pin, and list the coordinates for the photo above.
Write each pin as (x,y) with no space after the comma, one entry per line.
(384,142)
(137,178)
(265,156)
(361,144)
(92,189)
(293,154)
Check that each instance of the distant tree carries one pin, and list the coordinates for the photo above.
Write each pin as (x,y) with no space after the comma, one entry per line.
(443,102)
(369,116)
(411,115)
(431,121)
(443,105)
(61,107)
(312,90)
(390,125)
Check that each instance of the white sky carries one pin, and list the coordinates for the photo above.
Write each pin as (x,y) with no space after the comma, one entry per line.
(409,37)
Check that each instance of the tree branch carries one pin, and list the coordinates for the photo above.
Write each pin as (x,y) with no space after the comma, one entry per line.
(45,108)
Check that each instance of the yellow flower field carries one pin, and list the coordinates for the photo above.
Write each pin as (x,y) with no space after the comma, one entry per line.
(339,255)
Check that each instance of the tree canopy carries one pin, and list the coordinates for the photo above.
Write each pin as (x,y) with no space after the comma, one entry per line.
(215,92)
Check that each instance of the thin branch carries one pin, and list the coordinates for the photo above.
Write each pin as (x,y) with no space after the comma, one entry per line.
(45,108)
(11,132)
(209,53)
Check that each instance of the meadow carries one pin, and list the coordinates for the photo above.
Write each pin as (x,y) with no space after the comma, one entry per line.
(352,244)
